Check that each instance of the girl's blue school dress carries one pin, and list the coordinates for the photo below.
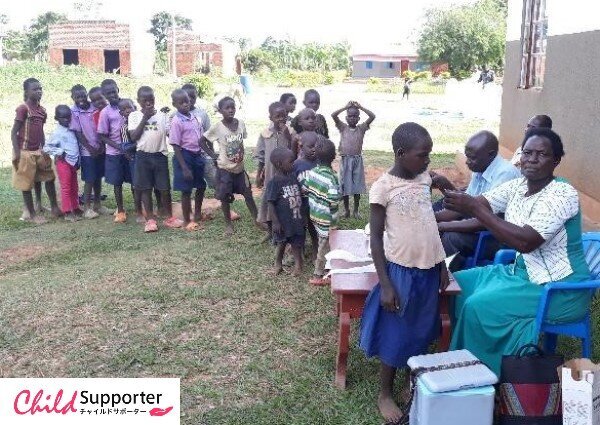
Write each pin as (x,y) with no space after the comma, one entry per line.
(413,251)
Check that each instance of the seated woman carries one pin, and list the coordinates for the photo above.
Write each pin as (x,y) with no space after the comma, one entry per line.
(497,308)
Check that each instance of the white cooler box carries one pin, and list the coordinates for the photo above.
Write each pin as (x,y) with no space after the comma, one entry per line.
(456,396)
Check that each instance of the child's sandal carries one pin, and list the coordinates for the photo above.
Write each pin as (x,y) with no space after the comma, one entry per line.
(193,227)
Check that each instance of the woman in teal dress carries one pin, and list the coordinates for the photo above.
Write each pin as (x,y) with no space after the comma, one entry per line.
(495,313)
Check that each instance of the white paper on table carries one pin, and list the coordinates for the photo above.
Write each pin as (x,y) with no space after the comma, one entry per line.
(353,270)
(340,254)
(448,260)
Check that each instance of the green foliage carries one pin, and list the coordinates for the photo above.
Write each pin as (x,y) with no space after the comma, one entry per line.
(161,24)
(409,74)
(283,54)
(31,43)
(203,83)
(465,36)
(445,75)
(296,78)
(422,85)
(16,46)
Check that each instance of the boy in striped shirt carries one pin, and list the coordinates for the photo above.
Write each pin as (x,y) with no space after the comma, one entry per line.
(322,186)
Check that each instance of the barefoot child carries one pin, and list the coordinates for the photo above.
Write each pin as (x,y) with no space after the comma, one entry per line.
(31,165)
(401,316)
(91,150)
(352,170)
(283,197)
(118,167)
(64,148)
(229,135)
(188,163)
(148,130)
(322,187)
(306,161)
(275,136)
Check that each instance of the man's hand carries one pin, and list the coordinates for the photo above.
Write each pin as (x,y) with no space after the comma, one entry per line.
(16,158)
(441,182)
(187,174)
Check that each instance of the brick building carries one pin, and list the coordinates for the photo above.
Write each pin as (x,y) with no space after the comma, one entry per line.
(193,55)
(105,46)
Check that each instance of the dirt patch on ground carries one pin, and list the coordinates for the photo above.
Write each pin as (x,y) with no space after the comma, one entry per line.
(19,254)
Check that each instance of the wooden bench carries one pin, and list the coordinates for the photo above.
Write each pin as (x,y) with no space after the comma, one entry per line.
(351,290)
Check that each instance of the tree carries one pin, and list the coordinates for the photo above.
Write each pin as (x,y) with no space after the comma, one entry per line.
(38,34)
(161,25)
(465,36)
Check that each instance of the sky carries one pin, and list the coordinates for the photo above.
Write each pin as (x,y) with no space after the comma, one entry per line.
(362,24)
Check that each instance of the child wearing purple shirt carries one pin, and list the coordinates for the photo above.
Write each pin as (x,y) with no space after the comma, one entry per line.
(92,152)
(188,162)
(117,166)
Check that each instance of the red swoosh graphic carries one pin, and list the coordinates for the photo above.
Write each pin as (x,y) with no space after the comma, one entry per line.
(157,411)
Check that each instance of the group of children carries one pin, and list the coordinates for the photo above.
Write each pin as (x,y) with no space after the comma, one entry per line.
(108,137)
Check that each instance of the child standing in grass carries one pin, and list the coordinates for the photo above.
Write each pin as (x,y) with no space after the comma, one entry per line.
(64,148)
(306,120)
(275,136)
(92,151)
(352,169)
(307,160)
(31,165)
(148,129)
(400,317)
(229,135)
(118,165)
(322,187)
(188,163)
(312,100)
(282,194)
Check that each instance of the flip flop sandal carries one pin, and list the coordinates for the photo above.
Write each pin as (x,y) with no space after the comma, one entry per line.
(320,281)
(151,226)
(193,227)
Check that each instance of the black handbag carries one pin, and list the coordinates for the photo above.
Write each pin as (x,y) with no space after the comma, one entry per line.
(529,389)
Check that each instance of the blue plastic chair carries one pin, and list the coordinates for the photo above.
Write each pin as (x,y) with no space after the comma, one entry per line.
(476,260)
(579,329)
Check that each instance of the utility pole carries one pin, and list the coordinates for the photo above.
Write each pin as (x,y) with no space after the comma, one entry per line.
(173,47)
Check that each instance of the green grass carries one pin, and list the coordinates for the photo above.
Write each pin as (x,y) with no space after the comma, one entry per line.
(95,299)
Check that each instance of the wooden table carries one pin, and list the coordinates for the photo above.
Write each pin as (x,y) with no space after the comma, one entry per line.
(351,290)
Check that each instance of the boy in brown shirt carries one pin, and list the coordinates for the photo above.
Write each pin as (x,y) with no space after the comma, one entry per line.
(30,164)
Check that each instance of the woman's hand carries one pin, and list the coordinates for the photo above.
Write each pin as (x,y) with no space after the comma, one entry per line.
(389,300)
(460,202)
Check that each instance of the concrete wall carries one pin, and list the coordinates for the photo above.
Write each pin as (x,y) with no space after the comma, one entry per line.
(380,69)
(570,94)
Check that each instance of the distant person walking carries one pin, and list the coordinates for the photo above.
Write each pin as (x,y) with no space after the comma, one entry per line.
(406,91)
(486,76)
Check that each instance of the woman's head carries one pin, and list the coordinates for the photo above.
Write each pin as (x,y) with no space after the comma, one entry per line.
(412,145)
(542,152)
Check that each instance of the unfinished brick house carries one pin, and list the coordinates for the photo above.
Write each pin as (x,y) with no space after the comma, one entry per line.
(193,55)
(105,46)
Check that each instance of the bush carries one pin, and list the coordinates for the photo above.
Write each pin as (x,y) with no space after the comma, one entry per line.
(462,75)
(203,83)
(411,75)
(329,79)
(445,75)
(422,75)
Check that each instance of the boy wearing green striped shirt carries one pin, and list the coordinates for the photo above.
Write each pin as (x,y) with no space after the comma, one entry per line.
(322,186)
